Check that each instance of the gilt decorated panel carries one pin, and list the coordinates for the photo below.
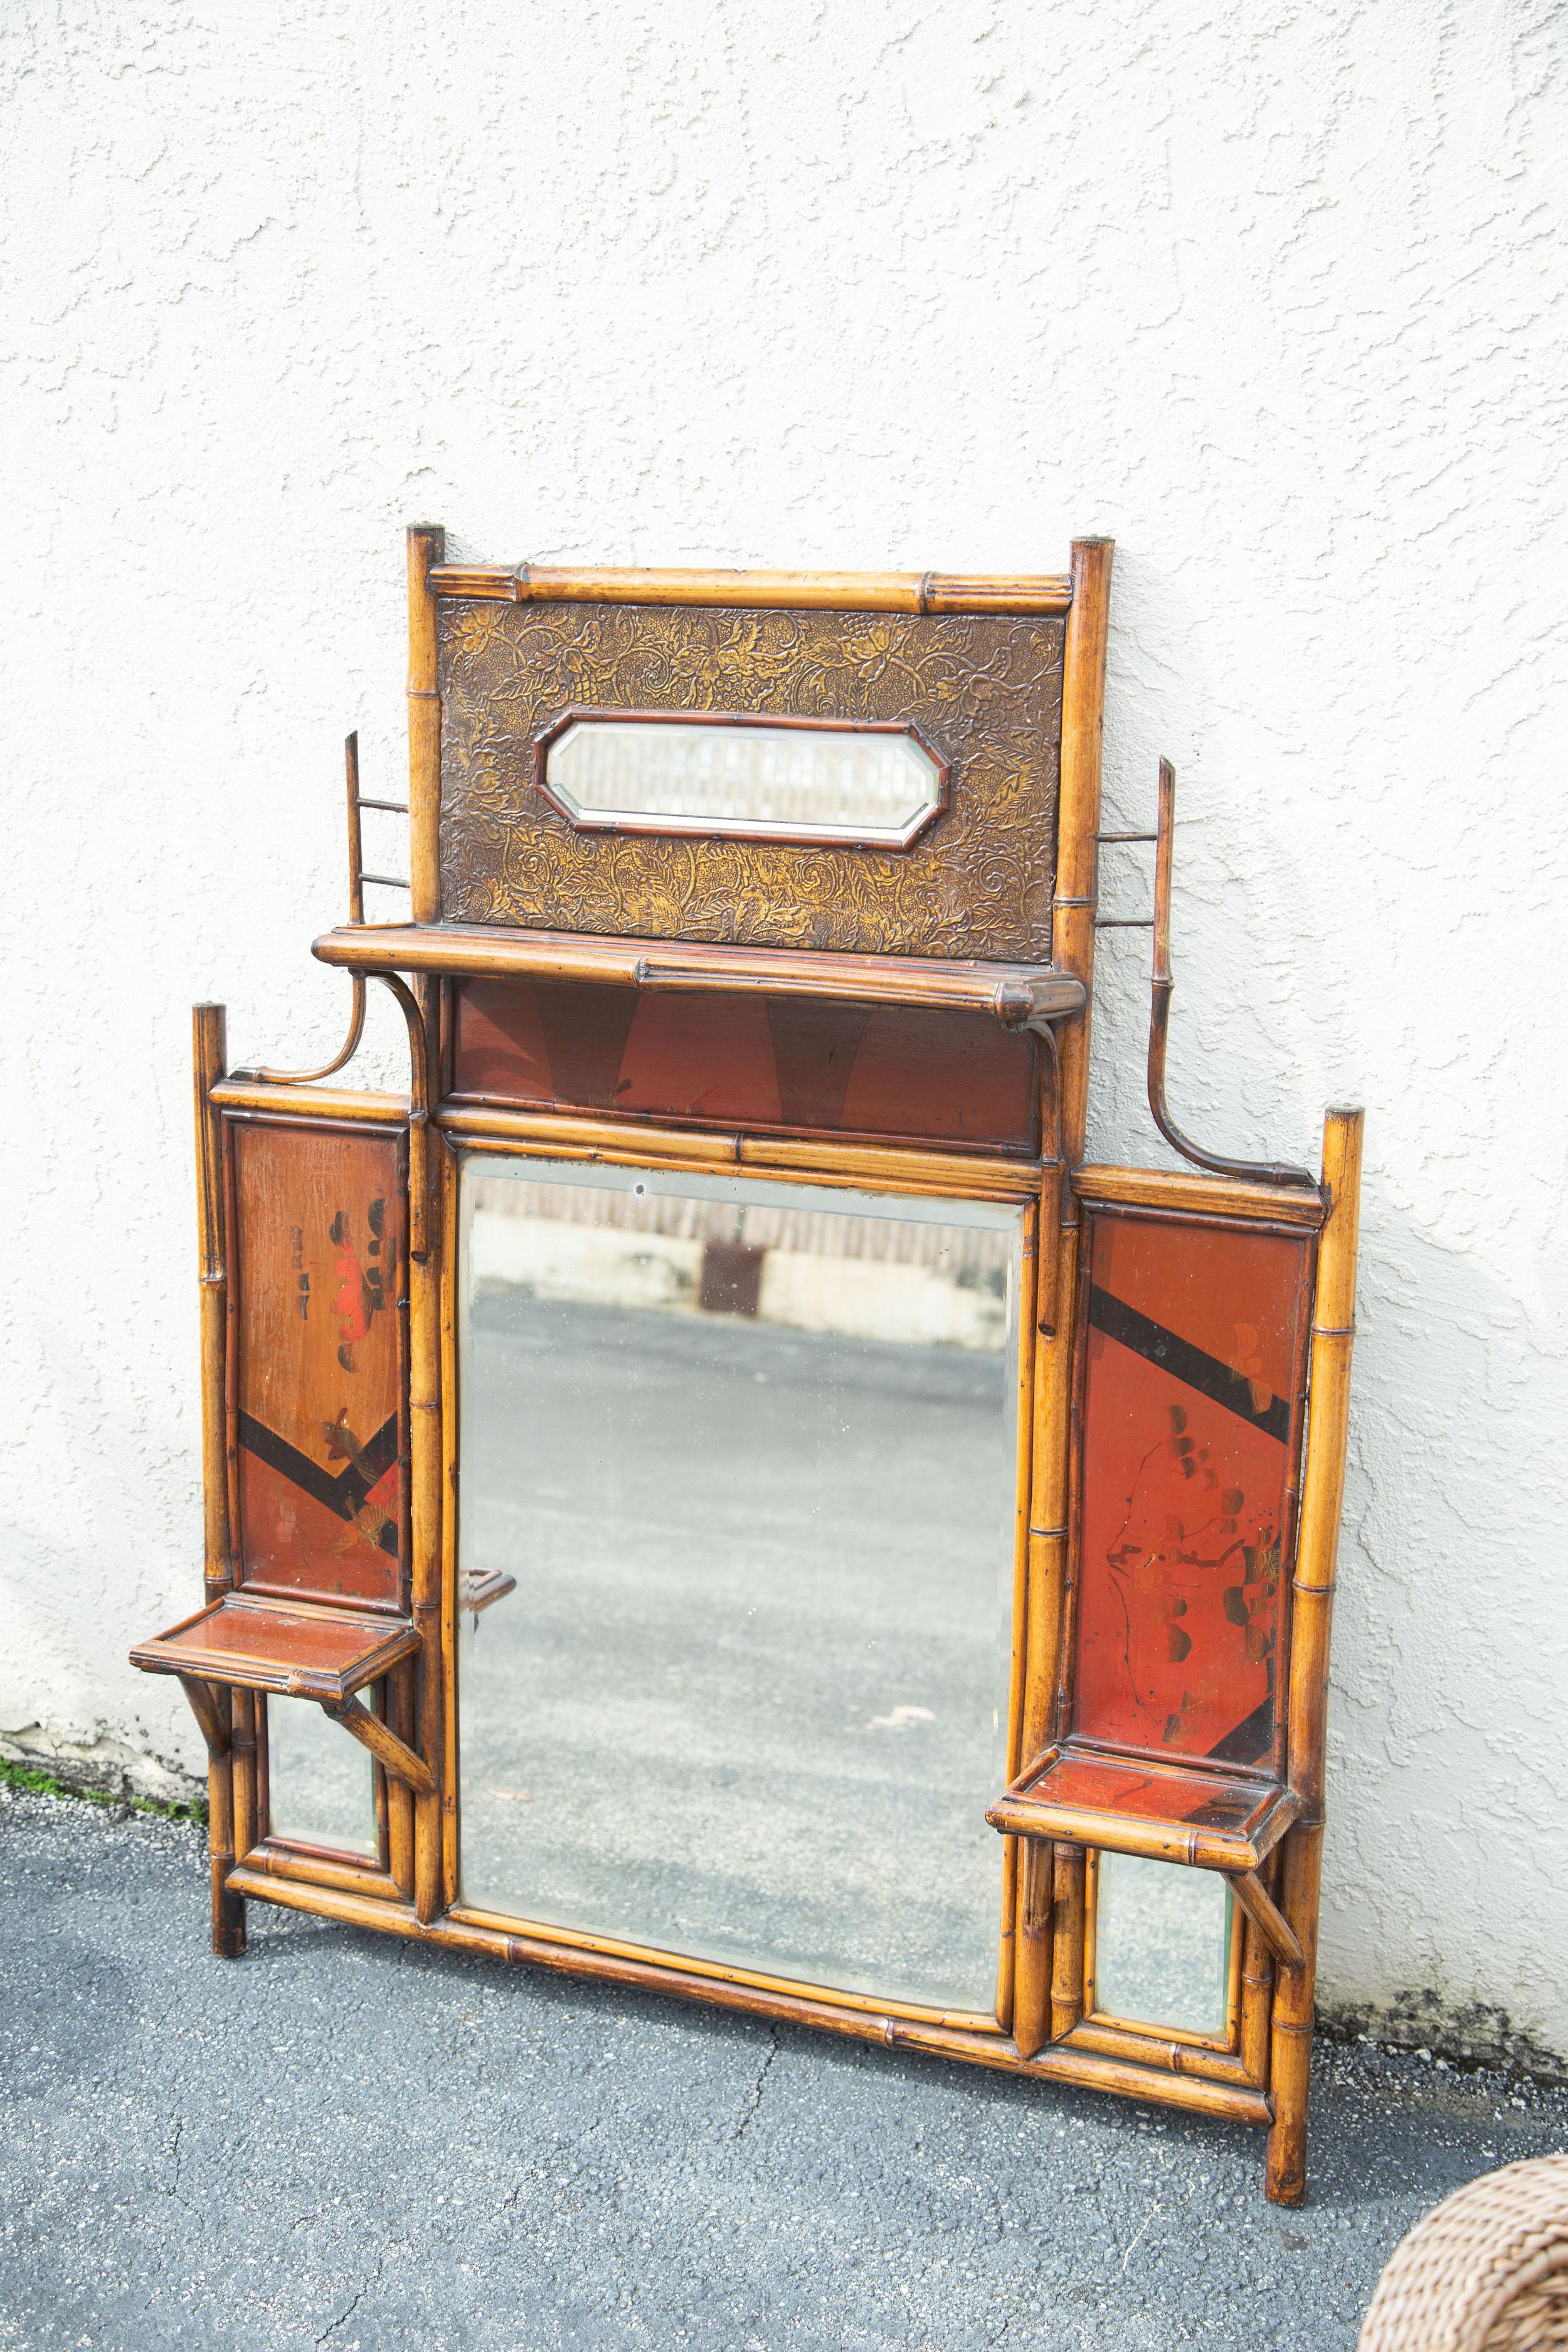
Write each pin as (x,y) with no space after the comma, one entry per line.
(985,691)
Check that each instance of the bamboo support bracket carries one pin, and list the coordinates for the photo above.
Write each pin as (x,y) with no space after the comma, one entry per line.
(207,1708)
(383,1743)
(1266,1916)
(1161,984)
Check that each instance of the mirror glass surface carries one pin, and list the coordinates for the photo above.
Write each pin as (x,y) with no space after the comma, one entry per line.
(1161,1944)
(319,1782)
(748,1450)
(688,776)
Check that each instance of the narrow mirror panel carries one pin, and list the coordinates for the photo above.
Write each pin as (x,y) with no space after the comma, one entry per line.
(802,779)
(319,1782)
(1162,1945)
(748,1450)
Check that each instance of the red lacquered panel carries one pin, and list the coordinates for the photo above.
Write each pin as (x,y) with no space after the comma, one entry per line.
(1195,1350)
(750,1061)
(317,1267)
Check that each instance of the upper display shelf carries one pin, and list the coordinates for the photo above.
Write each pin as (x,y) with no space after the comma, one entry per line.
(1018,996)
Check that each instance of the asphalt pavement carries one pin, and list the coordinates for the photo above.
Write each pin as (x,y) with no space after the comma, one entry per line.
(346,2141)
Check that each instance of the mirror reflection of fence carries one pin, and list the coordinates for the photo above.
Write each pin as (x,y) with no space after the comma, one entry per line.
(873,784)
(872,1278)
(1163,1947)
(750,1461)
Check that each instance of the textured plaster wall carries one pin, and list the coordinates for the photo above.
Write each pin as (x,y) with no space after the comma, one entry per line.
(1273,291)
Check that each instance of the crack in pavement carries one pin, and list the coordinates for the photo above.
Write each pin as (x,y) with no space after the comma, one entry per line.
(349,2310)
(744,2125)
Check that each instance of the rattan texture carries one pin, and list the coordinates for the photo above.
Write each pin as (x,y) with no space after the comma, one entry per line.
(1486,2270)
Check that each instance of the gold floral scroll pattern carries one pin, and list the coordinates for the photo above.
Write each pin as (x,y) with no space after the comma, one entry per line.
(985,691)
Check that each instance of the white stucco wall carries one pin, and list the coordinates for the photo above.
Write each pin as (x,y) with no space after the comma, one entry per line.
(1272,291)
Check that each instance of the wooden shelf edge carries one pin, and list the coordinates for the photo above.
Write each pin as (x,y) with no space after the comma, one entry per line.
(1019,996)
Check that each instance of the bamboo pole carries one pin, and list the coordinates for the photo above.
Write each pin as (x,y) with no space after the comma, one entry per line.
(1077,816)
(426,1514)
(834,591)
(1024,1379)
(426,547)
(448,1206)
(1150,2048)
(1322,1497)
(209,1053)
(1042,1961)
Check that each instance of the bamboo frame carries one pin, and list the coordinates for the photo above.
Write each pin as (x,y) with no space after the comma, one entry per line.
(567,1135)
(1045,2027)
(1317,1547)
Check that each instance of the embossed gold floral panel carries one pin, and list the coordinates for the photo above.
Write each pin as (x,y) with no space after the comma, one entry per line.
(983,690)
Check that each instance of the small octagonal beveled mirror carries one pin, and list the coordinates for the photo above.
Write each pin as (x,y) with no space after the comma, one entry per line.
(724,773)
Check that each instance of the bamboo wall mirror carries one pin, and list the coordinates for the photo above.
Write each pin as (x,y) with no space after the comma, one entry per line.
(708,1489)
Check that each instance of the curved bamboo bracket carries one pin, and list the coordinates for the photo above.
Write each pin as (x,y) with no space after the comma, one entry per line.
(1162,985)
(419,1114)
(357,877)
(209,1706)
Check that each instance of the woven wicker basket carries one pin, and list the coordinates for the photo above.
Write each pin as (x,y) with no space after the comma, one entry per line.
(1486,2272)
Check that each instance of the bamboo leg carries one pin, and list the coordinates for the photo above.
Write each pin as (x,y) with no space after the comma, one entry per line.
(1032,1997)
(1322,1495)
(1067,1940)
(1291,2036)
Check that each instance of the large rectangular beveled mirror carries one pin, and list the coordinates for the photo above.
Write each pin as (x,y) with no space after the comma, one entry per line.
(749,1450)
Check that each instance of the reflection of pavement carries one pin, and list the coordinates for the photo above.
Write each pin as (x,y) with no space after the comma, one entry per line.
(743,1701)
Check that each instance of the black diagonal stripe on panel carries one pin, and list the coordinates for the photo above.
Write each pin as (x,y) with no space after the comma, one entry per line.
(1250,1739)
(341,1496)
(1186,1363)
(379,1453)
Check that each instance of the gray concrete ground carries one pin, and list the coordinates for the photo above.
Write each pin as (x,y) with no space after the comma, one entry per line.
(347,2142)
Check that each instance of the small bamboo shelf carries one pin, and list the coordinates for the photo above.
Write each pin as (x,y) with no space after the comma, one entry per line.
(299,1651)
